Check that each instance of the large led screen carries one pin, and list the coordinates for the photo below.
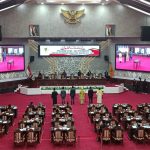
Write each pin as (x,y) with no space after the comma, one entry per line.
(12,58)
(69,50)
(133,57)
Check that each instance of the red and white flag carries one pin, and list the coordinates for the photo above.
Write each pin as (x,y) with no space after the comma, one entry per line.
(29,72)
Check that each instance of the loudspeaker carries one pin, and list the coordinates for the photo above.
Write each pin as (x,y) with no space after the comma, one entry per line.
(0,33)
(145,33)
(106,58)
(31,59)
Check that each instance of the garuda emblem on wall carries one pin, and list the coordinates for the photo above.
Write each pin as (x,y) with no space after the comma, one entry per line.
(72,16)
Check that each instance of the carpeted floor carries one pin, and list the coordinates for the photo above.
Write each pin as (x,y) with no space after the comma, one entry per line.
(86,137)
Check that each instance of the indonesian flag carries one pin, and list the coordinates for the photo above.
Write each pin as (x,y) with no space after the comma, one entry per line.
(29,72)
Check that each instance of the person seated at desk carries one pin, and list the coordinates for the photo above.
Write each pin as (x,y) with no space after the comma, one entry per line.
(40,75)
(89,73)
(107,76)
(79,73)
(31,105)
(64,74)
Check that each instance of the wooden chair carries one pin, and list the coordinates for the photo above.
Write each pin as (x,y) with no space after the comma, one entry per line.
(32,137)
(106,135)
(147,135)
(57,137)
(2,129)
(70,137)
(69,123)
(139,135)
(19,138)
(117,135)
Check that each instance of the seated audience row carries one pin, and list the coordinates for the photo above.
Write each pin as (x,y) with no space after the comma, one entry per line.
(30,126)
(62,130)
(7,115)
(106,126)
(137,122)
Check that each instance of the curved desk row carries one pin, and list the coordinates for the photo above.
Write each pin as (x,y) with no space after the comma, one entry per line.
(49,89)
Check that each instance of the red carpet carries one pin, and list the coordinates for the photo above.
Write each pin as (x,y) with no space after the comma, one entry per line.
(85,130)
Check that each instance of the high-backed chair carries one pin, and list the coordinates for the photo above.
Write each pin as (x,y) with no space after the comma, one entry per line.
(106,135)
(70,137)
(147,135)
(139,135)
(19,138)
(117,135)
(32,137)
(57,137)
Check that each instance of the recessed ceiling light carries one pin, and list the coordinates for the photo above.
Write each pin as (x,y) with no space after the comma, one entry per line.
(42,3)
(8,7)
(144,12)
(146,2)
(2,1)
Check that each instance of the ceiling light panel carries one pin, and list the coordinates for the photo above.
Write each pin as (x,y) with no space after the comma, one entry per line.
(145,2)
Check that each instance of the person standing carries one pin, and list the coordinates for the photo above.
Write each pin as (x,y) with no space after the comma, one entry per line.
(125,57)
(145,86)
(90,95)
(82,96)
(4,55)
(130,55)
(99,94)
(120,57)
(63,95)
(72,94)
(134,85)
(54,96)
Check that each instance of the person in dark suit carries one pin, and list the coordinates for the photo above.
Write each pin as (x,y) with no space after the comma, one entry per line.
(63,95)
(134,85)
(72,94)
(89,73)
(90,95)
(145,86)
(64,74)
(79,73)
(140,84)
(107,75)
(40,75)
(54,96)
(125,56)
